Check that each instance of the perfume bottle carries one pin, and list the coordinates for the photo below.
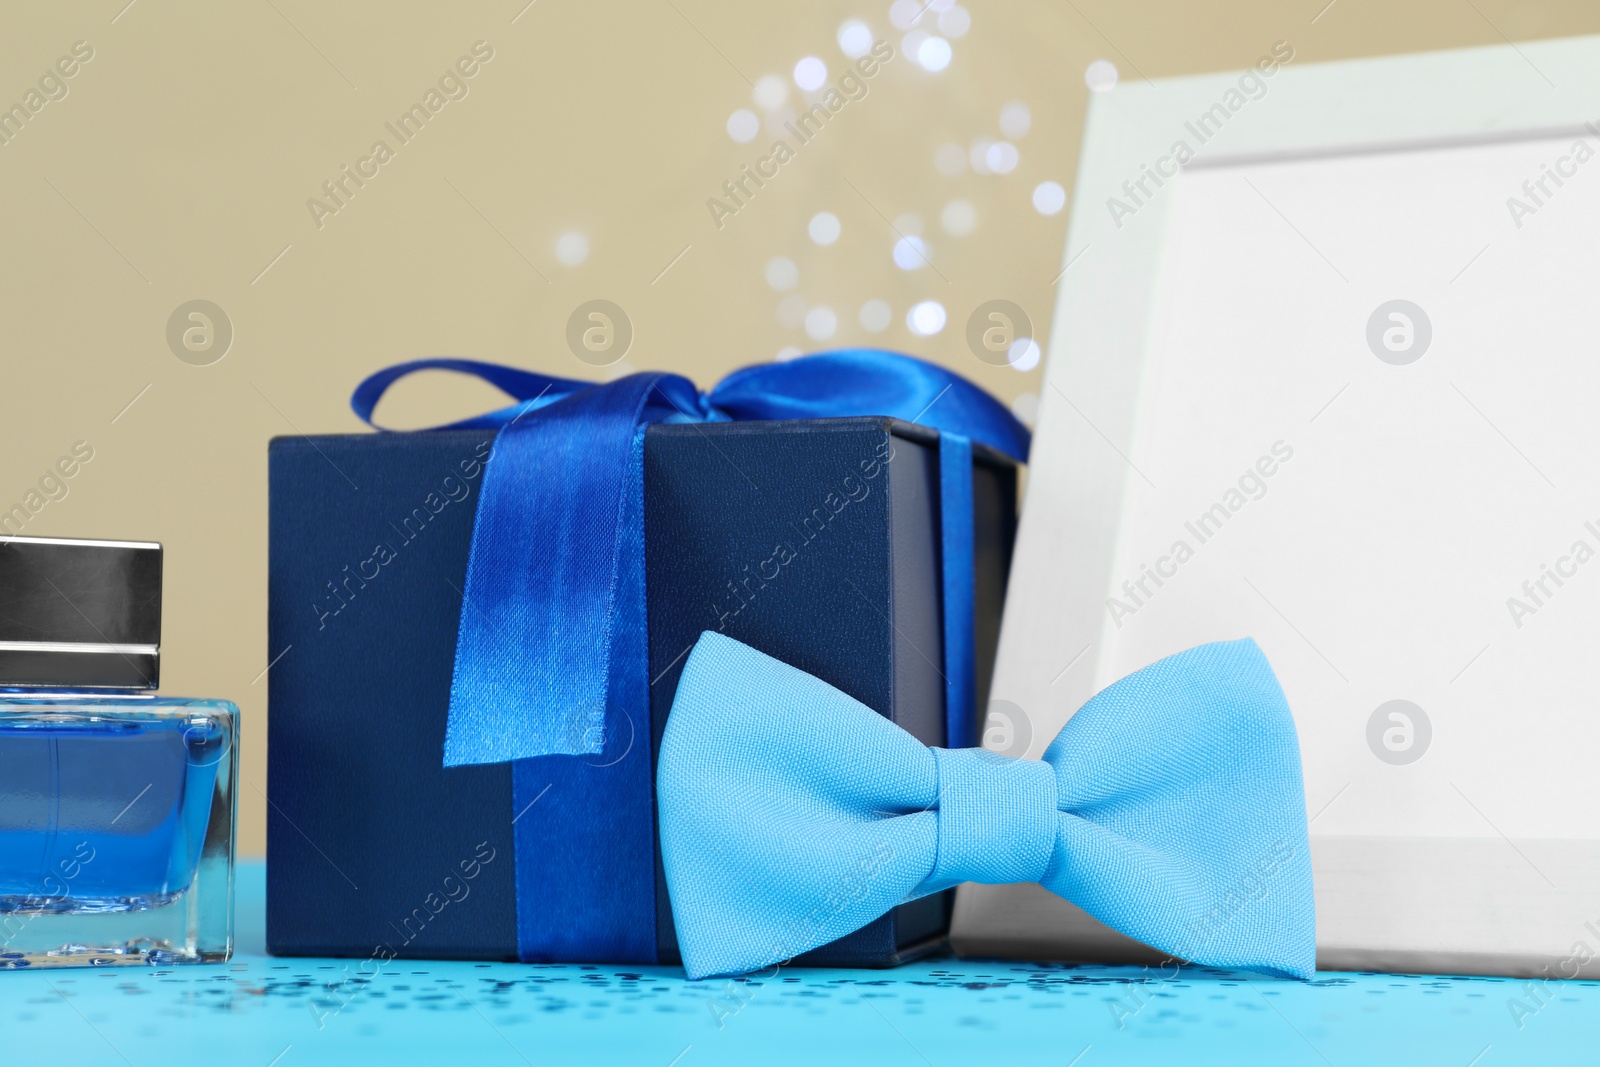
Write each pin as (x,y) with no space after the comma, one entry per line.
(117,805)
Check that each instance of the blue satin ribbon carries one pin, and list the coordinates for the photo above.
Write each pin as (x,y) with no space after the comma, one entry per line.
(960,588)
(550,654)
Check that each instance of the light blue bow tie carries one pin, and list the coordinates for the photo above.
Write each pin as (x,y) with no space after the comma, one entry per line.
(1170,808)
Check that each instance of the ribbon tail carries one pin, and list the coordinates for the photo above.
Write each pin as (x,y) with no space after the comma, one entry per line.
(544,575)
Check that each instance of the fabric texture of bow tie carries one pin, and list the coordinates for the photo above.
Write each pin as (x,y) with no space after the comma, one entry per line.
(1170,807)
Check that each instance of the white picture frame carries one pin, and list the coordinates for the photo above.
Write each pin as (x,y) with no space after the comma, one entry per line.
(1364,180)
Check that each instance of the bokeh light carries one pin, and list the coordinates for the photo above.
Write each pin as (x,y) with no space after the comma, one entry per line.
(821,323)
(855,38)
(572,249)
(926,319)
(824,227)
(782,274)
(876,315)
(903,14)
(955,22)
(934,54)
(1016,120)
(910,253)
(1023,354)
(743,125)
(810,73)
(771,92)
(777,121)
(978,155)
(1001,157)
(959,218)
(1049,198)
(792,311)
(1026,408)
(1101,76)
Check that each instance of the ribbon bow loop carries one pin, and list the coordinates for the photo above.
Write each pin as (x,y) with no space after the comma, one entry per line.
(1170,807)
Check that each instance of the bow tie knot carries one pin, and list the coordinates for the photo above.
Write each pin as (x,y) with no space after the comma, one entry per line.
(997,818)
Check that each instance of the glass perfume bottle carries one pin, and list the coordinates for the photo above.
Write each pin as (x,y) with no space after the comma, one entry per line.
(117,805)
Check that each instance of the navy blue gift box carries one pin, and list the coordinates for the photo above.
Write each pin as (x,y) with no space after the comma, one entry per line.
(816,541)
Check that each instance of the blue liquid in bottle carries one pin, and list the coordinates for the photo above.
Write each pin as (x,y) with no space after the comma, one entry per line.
(104,813)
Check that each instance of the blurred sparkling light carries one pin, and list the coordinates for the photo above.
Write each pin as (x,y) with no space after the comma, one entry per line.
(1101,76)
(824,227)
(782,274)
(792,311)
(934,54)
(1024,354)
(810,73)
(876,315)
(1016,120)
(978,155)
(1026,409)
(950,160)
(771,92)
(910,253)
(572,249)
(855,38)
(909,223)
(1049,198)
(821,322)
(776,121)
(1001,157)
(788,352)
(743,125)
(926,319)
(959,218)
(955,22)
(903,14)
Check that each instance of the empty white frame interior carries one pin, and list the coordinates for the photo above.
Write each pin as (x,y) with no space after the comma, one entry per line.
(1332,385)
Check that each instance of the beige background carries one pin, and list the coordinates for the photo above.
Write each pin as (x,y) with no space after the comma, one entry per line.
(179,165)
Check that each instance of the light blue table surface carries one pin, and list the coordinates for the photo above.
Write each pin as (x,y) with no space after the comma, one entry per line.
(260,1010)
